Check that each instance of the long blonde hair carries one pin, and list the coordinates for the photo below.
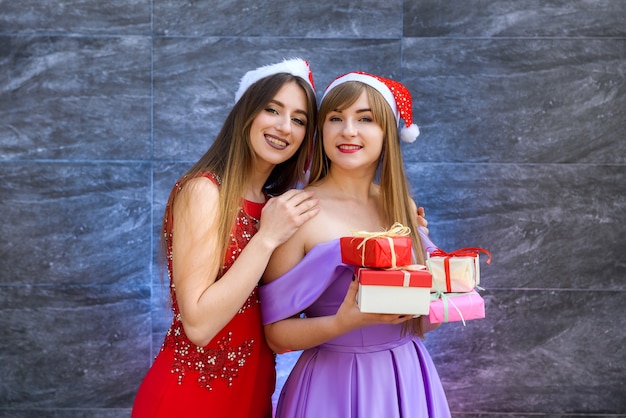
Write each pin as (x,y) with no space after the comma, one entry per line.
(232,158)
(395,198)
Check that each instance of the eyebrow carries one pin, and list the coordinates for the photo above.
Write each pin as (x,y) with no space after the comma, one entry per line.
(365,110)
(281,104)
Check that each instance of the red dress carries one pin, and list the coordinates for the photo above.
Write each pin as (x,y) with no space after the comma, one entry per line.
(234,375)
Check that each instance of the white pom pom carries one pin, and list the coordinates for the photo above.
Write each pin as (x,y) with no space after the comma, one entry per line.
(409,133)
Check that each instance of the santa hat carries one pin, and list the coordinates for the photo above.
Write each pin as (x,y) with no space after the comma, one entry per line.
(295,66)
(395,93)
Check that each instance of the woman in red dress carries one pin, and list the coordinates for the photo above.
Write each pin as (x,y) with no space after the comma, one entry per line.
(219,230)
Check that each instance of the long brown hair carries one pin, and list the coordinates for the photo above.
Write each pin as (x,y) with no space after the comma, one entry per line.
(395,198)
(232,158)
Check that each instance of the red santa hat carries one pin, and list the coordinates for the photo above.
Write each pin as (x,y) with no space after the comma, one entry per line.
(294,66)
(395,93)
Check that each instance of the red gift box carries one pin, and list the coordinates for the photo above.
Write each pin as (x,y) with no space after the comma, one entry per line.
(395,291)
(454,307)
(378,252)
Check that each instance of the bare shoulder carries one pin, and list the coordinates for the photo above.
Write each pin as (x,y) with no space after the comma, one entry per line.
(286,256)
(199,187)
(292,251)
(197,199)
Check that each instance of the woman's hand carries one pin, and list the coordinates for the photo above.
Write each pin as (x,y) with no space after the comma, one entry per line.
(427,326)
(421,219)
(302,333)
(349,317)
(283,215)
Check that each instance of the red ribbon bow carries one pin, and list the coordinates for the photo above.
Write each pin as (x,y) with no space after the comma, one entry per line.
(461,252)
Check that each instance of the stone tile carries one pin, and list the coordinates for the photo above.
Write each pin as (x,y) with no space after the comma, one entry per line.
(515,18)
(531,101)
(80,223)
(157,342)
(65,412)
(283,18)
(332,58)
(195,80)
(75,98)
(72,346)
(71,16)
(547,226)
(165,176)
(284,363)
(161,314)
(531,354)
(85,172)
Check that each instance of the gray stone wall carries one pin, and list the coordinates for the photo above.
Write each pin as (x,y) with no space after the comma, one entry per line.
(521,104)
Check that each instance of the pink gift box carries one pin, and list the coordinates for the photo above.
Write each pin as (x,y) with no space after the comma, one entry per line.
(455,307)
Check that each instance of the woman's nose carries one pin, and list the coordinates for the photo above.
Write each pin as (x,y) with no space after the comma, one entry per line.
(284,124)
(349,129)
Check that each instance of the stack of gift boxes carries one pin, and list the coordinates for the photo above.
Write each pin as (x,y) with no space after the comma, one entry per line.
(456,275)
(388,282)
(444,289)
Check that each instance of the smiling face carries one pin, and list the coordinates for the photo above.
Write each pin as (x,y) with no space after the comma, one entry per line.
(279,128)
(352,137)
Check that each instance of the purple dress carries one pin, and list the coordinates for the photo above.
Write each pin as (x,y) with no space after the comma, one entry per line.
(374,371)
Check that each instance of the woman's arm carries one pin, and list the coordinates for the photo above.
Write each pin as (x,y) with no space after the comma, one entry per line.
(297,333)
(301,333)
(207,304)
(427,326)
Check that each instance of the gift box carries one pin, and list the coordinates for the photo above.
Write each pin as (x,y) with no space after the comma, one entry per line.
(394,291)
(457,271)
(386,249)
(454,307)
(376,252)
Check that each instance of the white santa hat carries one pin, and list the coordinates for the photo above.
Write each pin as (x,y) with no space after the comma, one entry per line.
(395,94)
(294,66)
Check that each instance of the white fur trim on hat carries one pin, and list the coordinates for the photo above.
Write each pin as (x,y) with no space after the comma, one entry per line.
(395,94)
(295,66)
(371,81)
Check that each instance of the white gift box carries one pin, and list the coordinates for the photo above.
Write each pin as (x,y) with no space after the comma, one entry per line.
(394,291)
(458,271)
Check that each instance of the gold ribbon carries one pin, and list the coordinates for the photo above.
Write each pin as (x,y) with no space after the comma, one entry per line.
(396,230)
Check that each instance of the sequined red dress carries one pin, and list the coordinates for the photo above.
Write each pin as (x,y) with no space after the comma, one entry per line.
(234,375)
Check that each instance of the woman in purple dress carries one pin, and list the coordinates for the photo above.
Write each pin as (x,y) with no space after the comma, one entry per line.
(354,364)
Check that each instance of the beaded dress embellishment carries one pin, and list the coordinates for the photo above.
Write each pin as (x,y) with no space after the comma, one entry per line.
(221,358)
